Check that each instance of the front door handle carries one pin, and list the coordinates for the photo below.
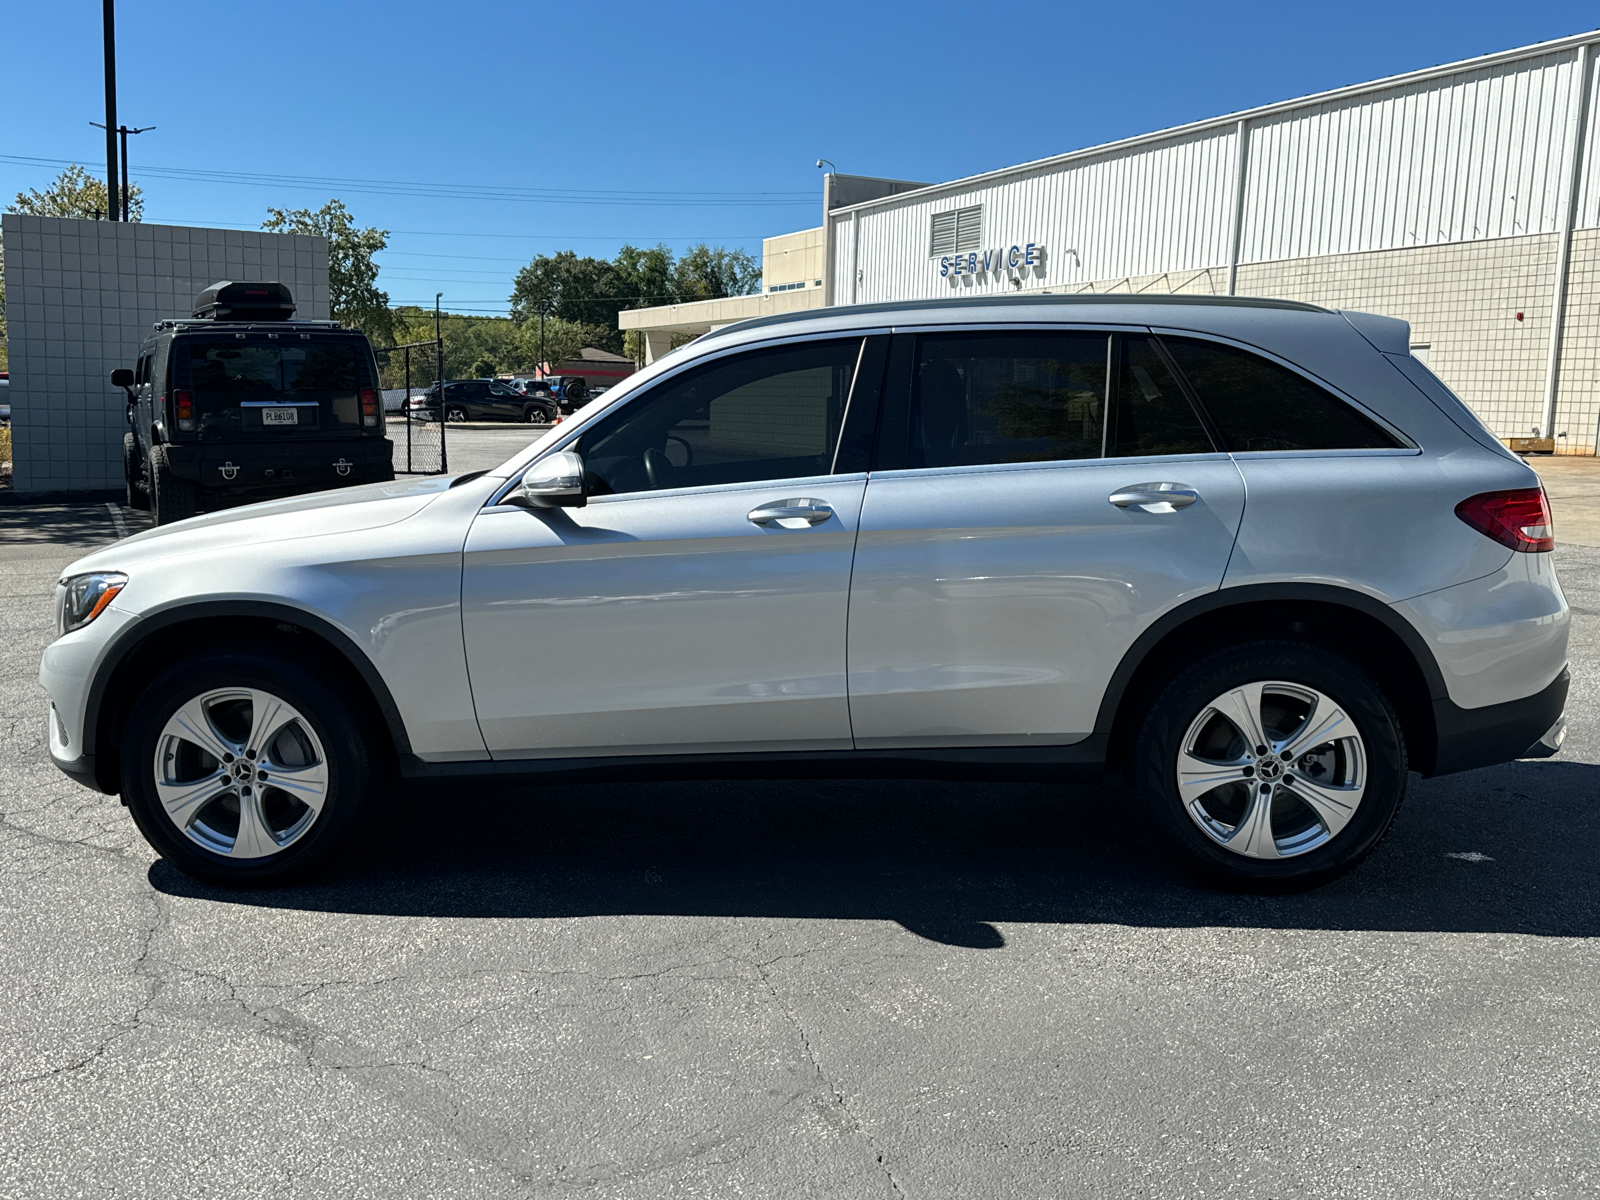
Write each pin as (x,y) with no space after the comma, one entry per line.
(1155,497)
(799,513)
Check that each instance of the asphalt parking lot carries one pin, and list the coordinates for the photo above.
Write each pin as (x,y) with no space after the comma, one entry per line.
(792,989)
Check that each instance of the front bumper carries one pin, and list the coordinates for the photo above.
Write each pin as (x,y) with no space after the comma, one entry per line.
(1497,733)
(67,671)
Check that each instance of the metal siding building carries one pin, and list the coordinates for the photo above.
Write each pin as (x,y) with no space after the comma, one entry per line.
(1463,198)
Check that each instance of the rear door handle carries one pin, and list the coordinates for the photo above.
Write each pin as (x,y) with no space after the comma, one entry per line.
(799,513)
(1155,497)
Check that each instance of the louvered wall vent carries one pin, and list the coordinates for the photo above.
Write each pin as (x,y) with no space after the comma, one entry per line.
(957,231)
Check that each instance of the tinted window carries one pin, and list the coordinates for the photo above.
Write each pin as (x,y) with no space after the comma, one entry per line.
(1151,414)
(222,375)
(1258,405)
(1007,397)
(768,414)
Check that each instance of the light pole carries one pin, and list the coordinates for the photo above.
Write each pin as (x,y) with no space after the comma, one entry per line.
(438,343)
(545,308)
(109,20)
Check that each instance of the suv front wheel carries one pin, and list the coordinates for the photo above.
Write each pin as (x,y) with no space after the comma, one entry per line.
(243,769)
(1271,766)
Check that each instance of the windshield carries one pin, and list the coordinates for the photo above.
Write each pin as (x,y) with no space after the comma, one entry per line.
(233,381)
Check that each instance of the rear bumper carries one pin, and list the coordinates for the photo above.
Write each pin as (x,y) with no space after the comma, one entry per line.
(1497,733)
(284,467)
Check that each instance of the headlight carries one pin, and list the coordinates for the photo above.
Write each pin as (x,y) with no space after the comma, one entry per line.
(82,598)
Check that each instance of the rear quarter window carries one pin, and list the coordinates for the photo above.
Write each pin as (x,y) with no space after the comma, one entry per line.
(1258,405)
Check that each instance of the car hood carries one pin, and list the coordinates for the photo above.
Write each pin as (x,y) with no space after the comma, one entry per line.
(347,510)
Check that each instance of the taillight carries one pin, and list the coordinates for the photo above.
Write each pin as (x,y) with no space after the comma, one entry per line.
(369,408)
(1519,518)
(184,403)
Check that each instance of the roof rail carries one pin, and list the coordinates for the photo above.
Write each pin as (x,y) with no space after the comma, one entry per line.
(1036,300)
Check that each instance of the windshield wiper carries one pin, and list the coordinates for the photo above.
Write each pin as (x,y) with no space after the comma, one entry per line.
(467,478)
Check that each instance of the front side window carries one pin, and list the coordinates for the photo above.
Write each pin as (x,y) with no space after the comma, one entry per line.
(1258,405)
(765,414)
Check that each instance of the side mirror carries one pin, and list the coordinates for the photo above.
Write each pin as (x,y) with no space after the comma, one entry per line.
(555,481)
(122,377)
(382,356)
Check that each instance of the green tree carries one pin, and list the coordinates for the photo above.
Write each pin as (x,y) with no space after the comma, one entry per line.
(75,193)
(475,347)
(354,297)
(712,272)
(584,291)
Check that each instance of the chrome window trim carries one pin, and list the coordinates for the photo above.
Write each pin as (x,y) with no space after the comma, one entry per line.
(1055,464)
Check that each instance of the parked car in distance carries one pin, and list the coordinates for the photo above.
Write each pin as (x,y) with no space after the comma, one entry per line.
(1249,553)
(481,400)
(242,402)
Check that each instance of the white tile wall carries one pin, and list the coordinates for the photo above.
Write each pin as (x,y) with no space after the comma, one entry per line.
(80,296)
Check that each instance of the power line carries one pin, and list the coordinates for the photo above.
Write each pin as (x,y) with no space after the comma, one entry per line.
(524,237)
(455,191)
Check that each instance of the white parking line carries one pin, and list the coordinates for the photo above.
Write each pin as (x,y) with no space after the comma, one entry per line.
(116,519)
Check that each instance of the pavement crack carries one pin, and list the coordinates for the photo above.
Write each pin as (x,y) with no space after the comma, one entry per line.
(840,1103)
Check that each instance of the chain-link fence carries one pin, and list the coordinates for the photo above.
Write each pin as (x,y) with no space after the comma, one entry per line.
(419,443)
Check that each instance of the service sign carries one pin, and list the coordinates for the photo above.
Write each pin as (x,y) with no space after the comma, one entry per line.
(1026,257)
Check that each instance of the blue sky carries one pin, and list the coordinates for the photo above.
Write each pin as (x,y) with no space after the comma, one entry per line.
(624,122)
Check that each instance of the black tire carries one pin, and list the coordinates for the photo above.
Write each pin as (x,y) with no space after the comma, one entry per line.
(171,498)
(1375,758)
(536,414)
(135,497)
(331,716)
(455,413)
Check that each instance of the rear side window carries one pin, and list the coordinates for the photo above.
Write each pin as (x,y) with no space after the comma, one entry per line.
(1258,405)
(1151,414)
(989,398)
(1007,398)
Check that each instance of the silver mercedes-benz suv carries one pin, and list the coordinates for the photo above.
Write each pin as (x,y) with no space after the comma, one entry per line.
(1249,553)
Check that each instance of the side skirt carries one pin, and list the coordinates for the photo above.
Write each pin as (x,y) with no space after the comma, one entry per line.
(1081,762)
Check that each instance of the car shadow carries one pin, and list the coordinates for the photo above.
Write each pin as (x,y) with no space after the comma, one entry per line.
(69,524)
(1508,849)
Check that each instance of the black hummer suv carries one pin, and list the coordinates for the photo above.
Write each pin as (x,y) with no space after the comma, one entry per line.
(241,403)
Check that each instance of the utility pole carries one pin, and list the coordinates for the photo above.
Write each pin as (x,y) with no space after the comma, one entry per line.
(110,20)
(127,192)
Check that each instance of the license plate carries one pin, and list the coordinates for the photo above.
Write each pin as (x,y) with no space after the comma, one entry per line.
(280,416)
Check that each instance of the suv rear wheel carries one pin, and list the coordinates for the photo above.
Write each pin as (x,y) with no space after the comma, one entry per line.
(171,498)
(243,769)
(455,412)
(1271,766)
(534,414)
(136,497)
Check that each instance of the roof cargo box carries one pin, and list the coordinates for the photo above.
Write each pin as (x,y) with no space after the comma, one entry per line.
(229,301)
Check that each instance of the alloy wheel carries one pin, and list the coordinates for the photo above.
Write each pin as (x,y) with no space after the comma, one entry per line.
(1272,770)
(240,772)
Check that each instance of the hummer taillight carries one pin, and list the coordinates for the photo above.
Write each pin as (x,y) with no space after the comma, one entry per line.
(184,403)
(369,408)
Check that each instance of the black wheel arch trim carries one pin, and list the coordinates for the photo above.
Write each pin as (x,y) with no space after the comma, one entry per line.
(1233,597)
(134,635)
